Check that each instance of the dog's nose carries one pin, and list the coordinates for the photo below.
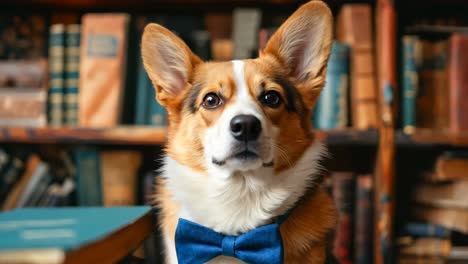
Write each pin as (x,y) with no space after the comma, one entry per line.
(245,127)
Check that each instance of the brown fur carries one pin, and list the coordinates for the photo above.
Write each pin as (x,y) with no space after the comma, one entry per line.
(305,230)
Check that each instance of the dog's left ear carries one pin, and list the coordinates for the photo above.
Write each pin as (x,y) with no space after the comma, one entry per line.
(302,44)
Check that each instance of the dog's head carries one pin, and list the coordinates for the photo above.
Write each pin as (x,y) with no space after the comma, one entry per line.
(245,115)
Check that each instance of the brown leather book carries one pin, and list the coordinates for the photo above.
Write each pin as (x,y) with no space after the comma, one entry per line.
(458,82)
(354,27)
(446,195)
(432,97)
(449,168)
(119,174)
(102,69)
(456,219)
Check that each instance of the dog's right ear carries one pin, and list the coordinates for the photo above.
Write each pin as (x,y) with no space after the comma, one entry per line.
(168,61)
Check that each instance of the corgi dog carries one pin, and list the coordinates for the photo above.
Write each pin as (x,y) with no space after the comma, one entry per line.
(240,150)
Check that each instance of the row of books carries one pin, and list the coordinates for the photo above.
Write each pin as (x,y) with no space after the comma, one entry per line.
(349,97)
(353,197)
(434,81)
(96,77)
(83,177)
(438,229)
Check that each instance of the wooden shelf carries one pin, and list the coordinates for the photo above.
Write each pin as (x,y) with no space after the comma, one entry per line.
(432,137)
(120,135)
(131,135)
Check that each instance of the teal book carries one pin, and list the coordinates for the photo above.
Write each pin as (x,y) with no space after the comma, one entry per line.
(411,63)
(72,74)
(63,228)
(56,74)
(143,95)
(88,177)
(331,110)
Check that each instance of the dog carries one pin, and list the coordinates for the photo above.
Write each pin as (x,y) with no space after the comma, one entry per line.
(240,150)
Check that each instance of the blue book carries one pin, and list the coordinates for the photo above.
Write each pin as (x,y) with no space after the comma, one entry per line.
(411,62)
(56,74)
(72,69)
(75,230)
(157,113)
(426,230)
(331,110)
(88,174)
(143,95)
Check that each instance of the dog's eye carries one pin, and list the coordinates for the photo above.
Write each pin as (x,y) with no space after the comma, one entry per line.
(211,101)
(271,99)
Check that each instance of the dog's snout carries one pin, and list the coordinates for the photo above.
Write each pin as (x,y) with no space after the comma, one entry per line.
(245,127)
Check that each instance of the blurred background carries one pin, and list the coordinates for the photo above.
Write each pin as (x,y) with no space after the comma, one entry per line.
(79,125)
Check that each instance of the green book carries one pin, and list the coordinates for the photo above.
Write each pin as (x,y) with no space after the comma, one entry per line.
(88,174)
(44,231)
(56,73)
(72,69)
(411,62)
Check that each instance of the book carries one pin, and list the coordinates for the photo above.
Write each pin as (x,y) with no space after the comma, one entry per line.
(88,177)
(458,254)
(420,260)
(11,174)
(458,80)
(72,73)
(15,194)
(354,27)
(432,98)
(39,175)
(331,110)
(446,195)
(102,69)
(23,93)
(23,37)
(42,183)
(451,218)
(411,57)
(200,44)
(4,159)
(119,177)
(448,168)
(419,229)
(363,220)
(427,247)
(246,23)
(56,74)
(343,193)
(72,235)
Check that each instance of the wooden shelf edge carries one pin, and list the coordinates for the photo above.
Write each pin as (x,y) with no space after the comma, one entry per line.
(125,135)
(137,135)
(432,137)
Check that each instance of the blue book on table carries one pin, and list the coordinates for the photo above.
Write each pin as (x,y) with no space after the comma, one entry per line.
(63,228)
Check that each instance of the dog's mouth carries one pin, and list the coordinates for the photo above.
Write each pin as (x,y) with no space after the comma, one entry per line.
(243,156)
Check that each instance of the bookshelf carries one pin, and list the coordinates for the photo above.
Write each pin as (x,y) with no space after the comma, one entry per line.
(146,135)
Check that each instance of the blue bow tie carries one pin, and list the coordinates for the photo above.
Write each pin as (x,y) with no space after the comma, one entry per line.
(196,244)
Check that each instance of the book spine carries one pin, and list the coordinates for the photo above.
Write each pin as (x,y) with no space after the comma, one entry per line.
(426,230)
(364,220)
(458,83)
(88,177)
(332,108)
(10,176)
(72,67)
(343,195)
(246,23)
(56,73)
(103,45)
(410,82)
(354,27)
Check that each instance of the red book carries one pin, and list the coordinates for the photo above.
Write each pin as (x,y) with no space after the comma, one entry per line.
(458,82)
(343,187)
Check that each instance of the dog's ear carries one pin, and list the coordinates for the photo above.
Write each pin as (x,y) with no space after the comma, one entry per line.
(168,61)
(302,44)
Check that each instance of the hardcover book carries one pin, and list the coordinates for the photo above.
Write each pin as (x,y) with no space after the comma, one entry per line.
(354,27)
(72,68)
(331,110)
(363,235)
(458,82)
(102,69)
(56,74)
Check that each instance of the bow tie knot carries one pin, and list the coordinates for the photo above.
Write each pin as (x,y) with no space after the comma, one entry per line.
(197,244)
